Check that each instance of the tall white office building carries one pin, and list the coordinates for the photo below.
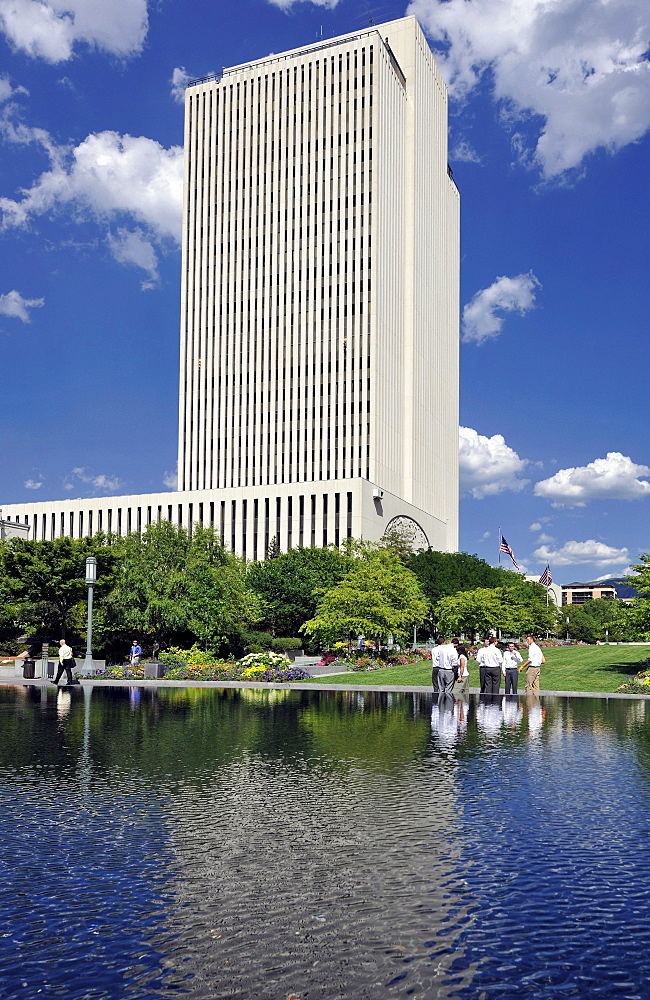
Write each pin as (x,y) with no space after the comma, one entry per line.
(319,314)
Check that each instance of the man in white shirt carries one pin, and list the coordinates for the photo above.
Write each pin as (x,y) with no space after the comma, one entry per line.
(435,663)
(480,659)
(493,659)
(448,660)
(532,666)
(510,668)
(65,662)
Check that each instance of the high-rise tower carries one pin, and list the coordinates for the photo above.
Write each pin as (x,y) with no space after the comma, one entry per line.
(319,330)
(319,306)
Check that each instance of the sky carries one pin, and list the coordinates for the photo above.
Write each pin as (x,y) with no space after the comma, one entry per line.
(550,147)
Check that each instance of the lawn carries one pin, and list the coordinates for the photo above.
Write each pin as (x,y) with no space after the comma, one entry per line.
(567,668)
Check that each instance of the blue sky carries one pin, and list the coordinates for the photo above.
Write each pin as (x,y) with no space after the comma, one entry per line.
(549,120)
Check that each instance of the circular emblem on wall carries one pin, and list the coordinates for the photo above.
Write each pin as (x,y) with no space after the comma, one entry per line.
(410,531)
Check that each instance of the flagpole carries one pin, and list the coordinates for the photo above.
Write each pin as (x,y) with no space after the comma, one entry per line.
(499,537)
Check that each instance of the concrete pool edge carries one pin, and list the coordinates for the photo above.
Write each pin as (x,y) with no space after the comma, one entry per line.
(298,686)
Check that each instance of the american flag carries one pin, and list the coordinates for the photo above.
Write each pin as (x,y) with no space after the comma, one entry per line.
(546,579)
(504,547)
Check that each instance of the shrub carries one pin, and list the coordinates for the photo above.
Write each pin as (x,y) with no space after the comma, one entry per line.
(268,661)
(287,643)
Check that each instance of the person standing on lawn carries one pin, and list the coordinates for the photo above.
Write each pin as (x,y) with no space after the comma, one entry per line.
(511,661)
(493,660)
(448,661)
(435,663)
(532,666)
(480,659)
(135,654)
(461,687)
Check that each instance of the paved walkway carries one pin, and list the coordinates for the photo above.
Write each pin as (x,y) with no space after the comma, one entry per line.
(300,686)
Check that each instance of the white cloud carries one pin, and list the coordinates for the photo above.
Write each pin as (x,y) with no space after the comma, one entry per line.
(179,82)
(108,177)
(51,29)
(615,477)
(480,319)
(7,91)
(98,482)
(535,526)
(288,4)
(545,539)
(133,247)
(170,479)
(33,484)
(572,74)
(14,305)
(487,465)
(464,153)
(591,552)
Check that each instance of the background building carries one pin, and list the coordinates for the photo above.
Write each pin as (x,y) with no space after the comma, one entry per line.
(319,306)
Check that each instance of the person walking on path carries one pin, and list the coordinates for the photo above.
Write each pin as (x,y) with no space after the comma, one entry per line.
(532,666)
(511,661)
(461,687)
(135,654)
(480,659)
(448,661)
(66,662)
(493,659)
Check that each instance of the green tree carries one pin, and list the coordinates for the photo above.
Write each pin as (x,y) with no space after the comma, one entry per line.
(641,578)
(516,610)
(169,581)
(378,597)
(44,580)
(442,574)
(287,584)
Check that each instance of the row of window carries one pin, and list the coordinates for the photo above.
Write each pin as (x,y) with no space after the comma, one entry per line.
(246,526)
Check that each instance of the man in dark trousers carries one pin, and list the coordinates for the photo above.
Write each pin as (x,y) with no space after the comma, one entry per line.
(66,662)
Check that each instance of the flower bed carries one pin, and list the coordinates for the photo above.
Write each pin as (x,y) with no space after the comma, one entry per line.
(265,667)
(640,683)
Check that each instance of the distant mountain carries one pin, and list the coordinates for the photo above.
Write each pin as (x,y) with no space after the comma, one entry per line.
(623,589)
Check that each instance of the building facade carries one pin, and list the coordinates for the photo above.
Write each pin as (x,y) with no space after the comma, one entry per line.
(319,305)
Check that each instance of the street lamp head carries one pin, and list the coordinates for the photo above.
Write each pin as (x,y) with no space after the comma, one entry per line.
(91,570)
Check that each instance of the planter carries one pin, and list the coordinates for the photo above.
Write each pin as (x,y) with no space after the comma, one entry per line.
(154,671)
(291,654)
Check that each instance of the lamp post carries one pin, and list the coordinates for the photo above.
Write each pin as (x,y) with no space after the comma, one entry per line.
(91,579)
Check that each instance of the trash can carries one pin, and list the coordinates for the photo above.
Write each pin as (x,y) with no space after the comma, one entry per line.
(29,669)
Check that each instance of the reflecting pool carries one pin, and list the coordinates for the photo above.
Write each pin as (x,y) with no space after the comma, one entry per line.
(200,843)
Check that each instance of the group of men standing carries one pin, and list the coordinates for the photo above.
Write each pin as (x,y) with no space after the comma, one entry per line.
(449,673)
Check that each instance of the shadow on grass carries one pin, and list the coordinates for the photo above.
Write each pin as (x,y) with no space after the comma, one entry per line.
(627,669)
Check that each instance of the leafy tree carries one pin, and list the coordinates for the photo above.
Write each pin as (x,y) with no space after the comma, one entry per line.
(44,580)
(516,610)
(287,584)
(378,597)
(594,620)
(641,580)
(170,582)
(469,612)
(442,574)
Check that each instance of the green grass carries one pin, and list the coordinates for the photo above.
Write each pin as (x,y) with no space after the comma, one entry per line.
(567,668)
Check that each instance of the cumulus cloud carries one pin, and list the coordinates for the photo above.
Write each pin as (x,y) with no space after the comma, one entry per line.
(179,82)
(13,304)
(106,177)
(133,247)
(535,526)
(591,552)
(615,477)
(464,153)
(98,482)
(288,4)
(573,75)
(481,321)
(52,29)
(488,465)
(33,484)
(7,91)
(170,479)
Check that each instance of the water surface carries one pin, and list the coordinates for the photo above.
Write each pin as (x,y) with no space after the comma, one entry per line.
(243,843)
